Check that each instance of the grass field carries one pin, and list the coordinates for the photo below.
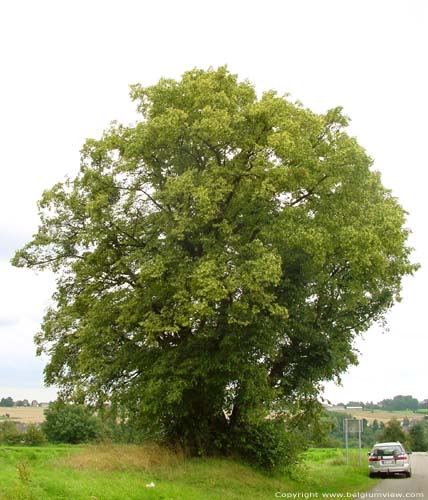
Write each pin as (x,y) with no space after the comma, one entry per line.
(123,472)
(32,414)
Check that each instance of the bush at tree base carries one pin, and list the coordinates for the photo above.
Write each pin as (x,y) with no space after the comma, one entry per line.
(70,424)
(268,444)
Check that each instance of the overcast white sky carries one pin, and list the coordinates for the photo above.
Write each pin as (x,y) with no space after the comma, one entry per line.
(65,70)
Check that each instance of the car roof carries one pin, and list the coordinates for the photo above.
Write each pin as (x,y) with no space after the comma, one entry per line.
(391,443)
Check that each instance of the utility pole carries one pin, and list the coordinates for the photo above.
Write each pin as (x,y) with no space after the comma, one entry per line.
(360,428)
(346,440)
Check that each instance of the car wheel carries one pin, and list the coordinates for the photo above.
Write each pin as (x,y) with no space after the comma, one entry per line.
(409,473)
(372,474)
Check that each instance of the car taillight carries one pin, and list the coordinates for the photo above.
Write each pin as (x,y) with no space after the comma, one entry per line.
(374,459)
(401,457)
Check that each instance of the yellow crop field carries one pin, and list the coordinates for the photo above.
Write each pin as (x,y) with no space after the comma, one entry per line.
(26,415)
(384,416)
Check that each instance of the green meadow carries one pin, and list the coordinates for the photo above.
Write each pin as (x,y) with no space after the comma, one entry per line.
(127,472)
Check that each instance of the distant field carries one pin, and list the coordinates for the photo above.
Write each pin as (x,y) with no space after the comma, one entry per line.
(26,415)
(384,416)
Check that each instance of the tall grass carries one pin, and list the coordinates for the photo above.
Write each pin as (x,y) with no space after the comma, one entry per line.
(129,472)
(115,457)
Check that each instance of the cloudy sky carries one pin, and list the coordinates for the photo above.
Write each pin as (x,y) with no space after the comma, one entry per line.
(65,70)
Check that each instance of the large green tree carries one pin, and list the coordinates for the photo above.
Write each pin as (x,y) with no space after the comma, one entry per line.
(216,260)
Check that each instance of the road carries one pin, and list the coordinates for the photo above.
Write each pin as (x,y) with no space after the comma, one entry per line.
(415,486)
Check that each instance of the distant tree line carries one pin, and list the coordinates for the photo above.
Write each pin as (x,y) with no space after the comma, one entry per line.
(397,403)
(9,402)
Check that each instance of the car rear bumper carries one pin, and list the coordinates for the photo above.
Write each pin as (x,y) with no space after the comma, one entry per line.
(392,469)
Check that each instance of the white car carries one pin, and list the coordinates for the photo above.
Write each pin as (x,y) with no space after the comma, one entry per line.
(389,458)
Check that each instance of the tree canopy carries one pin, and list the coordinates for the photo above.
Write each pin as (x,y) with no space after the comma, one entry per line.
(8,402)
(400,403)
(394,432)
(216,259)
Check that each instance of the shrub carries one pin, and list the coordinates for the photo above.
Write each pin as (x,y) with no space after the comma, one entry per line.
(267,444)
(70,424)
(9,434)
(33,436)
(117,427)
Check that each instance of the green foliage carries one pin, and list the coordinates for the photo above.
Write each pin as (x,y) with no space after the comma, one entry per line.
(267,444)
(336,435)
(334,421)
(6,402)
(355,404)
(114,429)
(70,424)
(393,432)
(9,434)
(23,471)
(87,472)
(400,403)
(419,436)
(375,425)
(423,404)
(215,261)
(33,436)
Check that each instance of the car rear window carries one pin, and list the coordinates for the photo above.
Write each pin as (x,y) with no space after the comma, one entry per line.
(389,451)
